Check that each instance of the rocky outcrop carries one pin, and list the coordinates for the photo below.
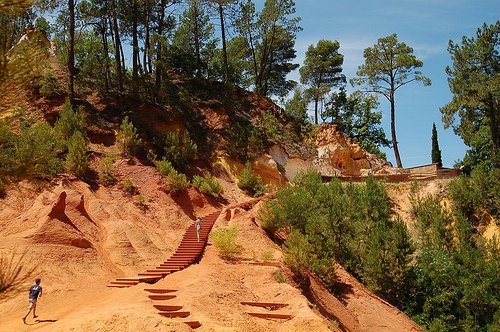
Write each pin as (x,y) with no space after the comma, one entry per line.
(340,155)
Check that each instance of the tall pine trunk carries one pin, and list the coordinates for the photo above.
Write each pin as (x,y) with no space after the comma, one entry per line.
(71,53)
(224,50)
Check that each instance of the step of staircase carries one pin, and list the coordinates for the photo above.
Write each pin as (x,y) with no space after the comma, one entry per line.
(162,297)
(151,275)
(165,307)
(268,316)
(175,314)
(160,290)
(269,305)
(193,324)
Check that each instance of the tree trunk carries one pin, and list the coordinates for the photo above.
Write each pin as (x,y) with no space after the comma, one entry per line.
(393,132)
(494,131)
(135,49)
(197,41)
(224,53)
(71,53)
(147,47)
(104,29)
(159,67)
(117,48)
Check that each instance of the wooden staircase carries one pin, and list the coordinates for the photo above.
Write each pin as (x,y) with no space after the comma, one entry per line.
(189,251)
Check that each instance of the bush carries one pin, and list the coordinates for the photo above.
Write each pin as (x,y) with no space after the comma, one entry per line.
(107,169)
(49,85)
(128,139)
(77,158)
(33,153)
(178,182)
(477,193)
(180,150)
(298,253)
(141,201)
(128,186)
(70,121)
(225,242)
(165,167)
(208,185)
(250,183)
(272,127)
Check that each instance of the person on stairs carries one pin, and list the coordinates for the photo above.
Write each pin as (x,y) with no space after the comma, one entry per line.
(35,293)
(198,227)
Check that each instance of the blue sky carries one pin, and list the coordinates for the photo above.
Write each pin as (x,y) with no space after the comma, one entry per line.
(426,26)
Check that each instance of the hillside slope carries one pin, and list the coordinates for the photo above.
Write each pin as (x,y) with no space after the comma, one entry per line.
(102,234)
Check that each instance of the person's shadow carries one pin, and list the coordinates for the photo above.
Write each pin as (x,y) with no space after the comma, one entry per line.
(38,321)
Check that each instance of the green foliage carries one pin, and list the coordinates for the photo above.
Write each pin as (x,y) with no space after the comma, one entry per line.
(208,185)
(477,193)
(267,256)
(456,271)
(298,252)
(70,121)
(435,152)
(165,167)
(180,150)
(272,127)
(128,139)
(49,85)
(178,182)
(107,169)
(322,70)
(347,223)
(225,242)
(475,88)
(77,160)
(355,116)
(141,201)
(128,186)
(29,151)
(389,65)
(249,182)
(280,278)
(270,39)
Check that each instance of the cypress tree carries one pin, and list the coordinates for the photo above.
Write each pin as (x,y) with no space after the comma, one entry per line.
(435,153)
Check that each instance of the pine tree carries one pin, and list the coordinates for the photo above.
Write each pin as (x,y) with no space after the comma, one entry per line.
(435,153)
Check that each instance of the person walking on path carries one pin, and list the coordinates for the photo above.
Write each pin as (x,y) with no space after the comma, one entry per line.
(198,227)
(35,293)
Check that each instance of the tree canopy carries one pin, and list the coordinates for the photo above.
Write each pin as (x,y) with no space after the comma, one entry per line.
(322,70)
(389,65)
(474,80)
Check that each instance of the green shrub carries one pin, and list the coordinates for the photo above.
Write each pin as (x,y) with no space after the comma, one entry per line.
(165,167)
(178,182)
(70,121)
(128,186)
(141,201)
(180,150)
(49,85)
(478,192)
(107,169)
(280,278)
(272,127)
(127,138)
(225,242)
(267,256)
(250,183)
(298,252)
(77,158)
(208,185)
(33,153)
